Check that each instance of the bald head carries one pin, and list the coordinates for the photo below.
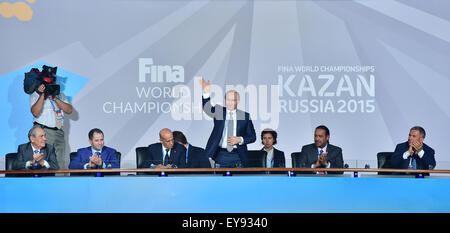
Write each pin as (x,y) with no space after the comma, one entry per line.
(166,138)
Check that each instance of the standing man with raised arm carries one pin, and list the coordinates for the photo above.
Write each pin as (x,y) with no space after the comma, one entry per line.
(233,130)
(48,113)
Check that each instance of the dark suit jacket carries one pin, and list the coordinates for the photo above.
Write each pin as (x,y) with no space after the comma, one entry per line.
(309,157)
(425,162)
(108,157)
(177,155)
(278,158)
(25,154)
(244,129)
(197,158)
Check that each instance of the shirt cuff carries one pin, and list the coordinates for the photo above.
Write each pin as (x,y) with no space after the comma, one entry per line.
(206,95)
(242,141)
(46,164)
(86,166)
(406,155)
(421,153)
(28,165)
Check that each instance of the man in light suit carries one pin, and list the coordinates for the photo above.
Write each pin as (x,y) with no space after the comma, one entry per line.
(321,154)
(195,156)
(36,154)
(414,154)
(96,156)
(233,130)
(166,153)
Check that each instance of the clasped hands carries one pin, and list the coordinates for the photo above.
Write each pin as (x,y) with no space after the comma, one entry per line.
(322,161)
(415,146)
(95,161)
(160,166)
(39,158)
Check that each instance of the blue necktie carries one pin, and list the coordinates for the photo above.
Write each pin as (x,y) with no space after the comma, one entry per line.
(413,162)
(166,158)
(36,152)
(96,166)
(187,154)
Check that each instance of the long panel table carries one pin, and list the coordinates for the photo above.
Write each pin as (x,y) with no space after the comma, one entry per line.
(238,193)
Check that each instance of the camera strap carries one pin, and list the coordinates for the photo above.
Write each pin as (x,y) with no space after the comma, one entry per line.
(58,116)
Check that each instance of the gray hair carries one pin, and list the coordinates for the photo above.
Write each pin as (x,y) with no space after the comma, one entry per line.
(420,129)
(238,97)
(32,131)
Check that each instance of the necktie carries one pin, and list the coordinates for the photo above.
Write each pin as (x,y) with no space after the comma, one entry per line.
(412,163)
(230,130)
(36,152)
(97,166)
(320,153)
(187,153)
(166,158)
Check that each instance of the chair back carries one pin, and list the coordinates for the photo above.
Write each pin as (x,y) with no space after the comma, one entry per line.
(9,163)
(384,161)
(295,157)
(257,158)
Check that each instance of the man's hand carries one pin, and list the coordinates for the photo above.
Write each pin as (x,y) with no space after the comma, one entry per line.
(410,150)
(322,160)
(416,145)
(39,158)
(205,85)
(233,140)
(94,161)
(41,88)
(160,166)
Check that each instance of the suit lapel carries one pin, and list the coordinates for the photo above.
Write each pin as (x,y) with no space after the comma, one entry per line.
(29,152)
(313,153)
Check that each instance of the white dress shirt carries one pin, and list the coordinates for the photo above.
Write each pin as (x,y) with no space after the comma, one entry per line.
(28,164)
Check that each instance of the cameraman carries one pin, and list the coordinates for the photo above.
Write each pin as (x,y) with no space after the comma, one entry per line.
(48,112)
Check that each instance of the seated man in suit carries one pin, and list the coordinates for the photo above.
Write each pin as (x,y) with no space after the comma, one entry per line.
(166,153)
(274,157)
(195,156)
(321,154)
(96,156)
(414,154)
(233,130)
(36,154)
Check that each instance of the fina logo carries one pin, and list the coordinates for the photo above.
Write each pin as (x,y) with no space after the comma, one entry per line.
(159,73)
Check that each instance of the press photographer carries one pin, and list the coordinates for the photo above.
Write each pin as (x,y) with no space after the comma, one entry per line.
(48,106)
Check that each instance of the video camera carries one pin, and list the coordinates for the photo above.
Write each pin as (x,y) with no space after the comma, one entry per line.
(35,78)
(48,76)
